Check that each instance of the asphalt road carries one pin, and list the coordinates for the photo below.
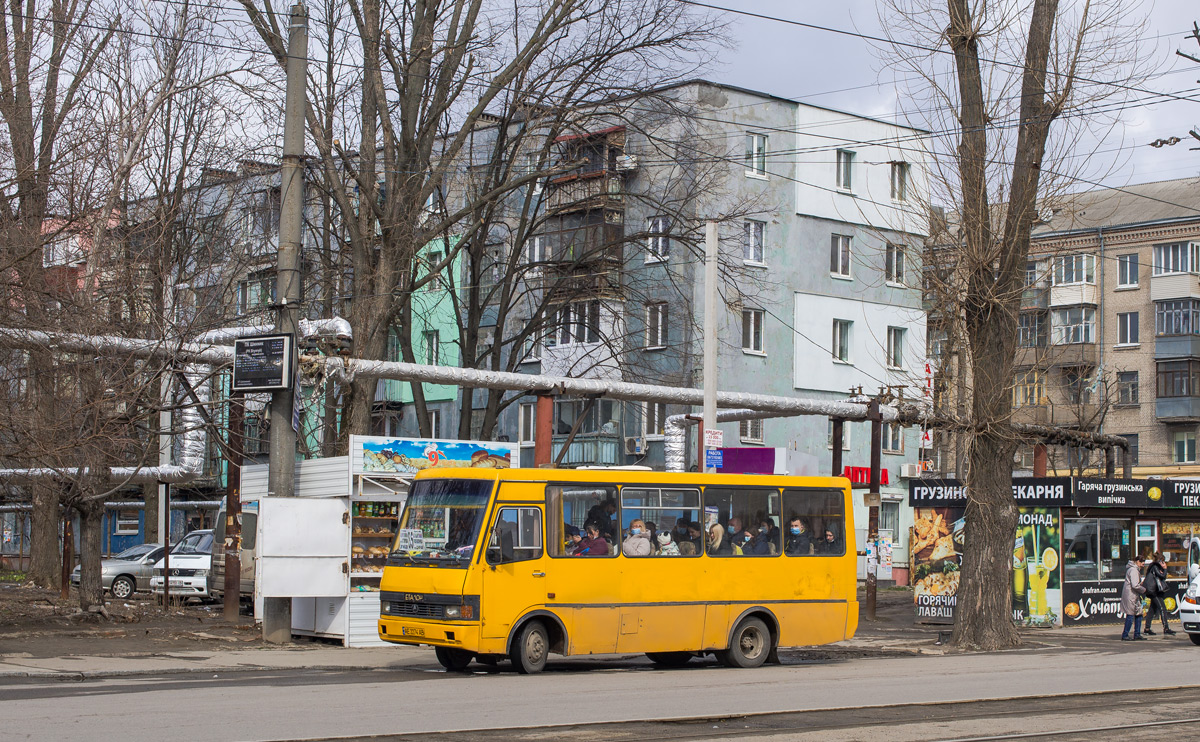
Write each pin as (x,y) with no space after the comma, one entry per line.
(848,696)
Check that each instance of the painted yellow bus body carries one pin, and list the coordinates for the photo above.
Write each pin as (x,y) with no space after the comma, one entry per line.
(624,604)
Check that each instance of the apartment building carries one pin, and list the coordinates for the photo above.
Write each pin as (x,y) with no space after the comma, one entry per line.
(1109,332)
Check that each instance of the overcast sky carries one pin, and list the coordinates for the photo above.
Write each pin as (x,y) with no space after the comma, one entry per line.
(844,73)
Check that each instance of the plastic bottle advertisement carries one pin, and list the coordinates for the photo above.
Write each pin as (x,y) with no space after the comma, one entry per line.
(1037,581)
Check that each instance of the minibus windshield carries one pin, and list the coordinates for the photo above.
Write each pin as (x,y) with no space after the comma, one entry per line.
(441,521)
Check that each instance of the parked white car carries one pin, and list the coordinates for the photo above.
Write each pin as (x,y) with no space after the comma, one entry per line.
(1189,606)
(191,563)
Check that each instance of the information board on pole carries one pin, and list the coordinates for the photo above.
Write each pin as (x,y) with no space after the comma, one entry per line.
(714,438)
(714,458)
(262,363)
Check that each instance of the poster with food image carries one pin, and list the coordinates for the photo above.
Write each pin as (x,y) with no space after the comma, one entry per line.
(935,556)
(1037,581)
(376,454)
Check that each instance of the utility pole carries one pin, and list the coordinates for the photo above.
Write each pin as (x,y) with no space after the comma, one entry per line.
(281,475)
(710,336)
(233,510)
(873,498)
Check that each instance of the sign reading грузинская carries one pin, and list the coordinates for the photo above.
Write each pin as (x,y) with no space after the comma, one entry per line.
(1135,493)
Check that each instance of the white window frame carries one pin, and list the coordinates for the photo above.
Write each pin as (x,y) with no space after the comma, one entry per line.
(654,419)
(1128,390)
(754,239)
(844,175)
(1075,269)
(535,254)
(900,177)
(895,348)
(432,339)
(846,426)
(526,423)
(892,438)
(893,263)
(572,323)
(750,431)
(658,243)
(531,163)
(756,155)
(1127,329)
(752,323)
(1073,333)
(123,525)
(1176,257)
(1185,437)
(532,349)
(435,424)
(656,325)
(840,345)
(841,256)
(1127,267)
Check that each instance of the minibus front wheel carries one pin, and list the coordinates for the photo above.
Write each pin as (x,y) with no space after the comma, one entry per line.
(531,648)
(454,660)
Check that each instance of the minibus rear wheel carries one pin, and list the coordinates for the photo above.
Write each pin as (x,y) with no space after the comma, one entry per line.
(670,659)
(455,660)
(530,648)
(749,645)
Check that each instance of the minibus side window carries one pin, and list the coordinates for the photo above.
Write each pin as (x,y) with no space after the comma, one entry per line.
(818,515)
(669,518)
(569,508)
(516,536)
(742,521)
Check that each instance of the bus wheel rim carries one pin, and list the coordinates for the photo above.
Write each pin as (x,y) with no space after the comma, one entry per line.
(535,647)
(751,643)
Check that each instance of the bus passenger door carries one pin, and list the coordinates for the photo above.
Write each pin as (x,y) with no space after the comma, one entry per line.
(515,578)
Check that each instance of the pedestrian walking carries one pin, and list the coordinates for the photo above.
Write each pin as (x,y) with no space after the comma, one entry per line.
(1131,599)
(1155,583)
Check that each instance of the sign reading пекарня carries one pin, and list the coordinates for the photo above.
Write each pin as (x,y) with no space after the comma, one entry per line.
(1043,492)
(1057,492)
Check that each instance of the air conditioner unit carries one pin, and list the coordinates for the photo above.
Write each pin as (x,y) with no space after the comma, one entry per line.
(911,471)
(627,163)
(635,446)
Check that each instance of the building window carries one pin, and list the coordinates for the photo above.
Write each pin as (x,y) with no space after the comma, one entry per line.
(256,292)
(577,322)
(839,255)
(1177,379)
(893,438)
(126,522)
(1132,453)
(526,424)
(845,169)
(1074,325)
(841,340)
(1031,330)
(1077,383)
(532,349)
(532,166)
(894,264)
(750,431)
(752,330)
(756,154)
(900,181)
(659,243)
(1183,447)
(1181,257)
(1127,270)
(654,418)
(1028,388)
(754,236)
(536,253)
(846,426)
(1127,328)
(435,424)
(1180,317)
(1071,269)
(895,347)
(432,342)
(1127,387)
(435,279)
(936,339)
(656,325)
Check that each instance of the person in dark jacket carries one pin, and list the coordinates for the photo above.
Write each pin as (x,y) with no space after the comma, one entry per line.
(799,540)
(832,543)
(594,544)
(602,515)
(1155,583)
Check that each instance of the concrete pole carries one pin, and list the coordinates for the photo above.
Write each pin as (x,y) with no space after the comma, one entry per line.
(710,334)
(873,507)
(281,475)
(543,431)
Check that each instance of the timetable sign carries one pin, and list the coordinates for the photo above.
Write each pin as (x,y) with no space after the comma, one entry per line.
(262,363)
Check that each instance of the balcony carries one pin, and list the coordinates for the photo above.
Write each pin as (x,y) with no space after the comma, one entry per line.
(1177,409)
(590,449)
(1073,294)
(600,189)
(1174,286)
(1049,356)
(1067,414)
(1176,346)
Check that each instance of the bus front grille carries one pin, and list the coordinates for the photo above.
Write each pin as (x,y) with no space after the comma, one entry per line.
(414,610)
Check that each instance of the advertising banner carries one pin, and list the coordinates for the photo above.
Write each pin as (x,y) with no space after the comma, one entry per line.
(1037,581)
(935,557)
(1039,492)
(383,455)
(1100,602)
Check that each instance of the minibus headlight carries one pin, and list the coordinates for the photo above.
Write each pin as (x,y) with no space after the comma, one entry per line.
(453,611)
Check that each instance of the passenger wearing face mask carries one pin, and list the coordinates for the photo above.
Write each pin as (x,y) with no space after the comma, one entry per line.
(760,542)
(637,543)
(799,540)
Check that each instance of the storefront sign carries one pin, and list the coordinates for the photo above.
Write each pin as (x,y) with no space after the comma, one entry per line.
(862,475)
(1041,492)
(935,558)
(1120,493)
(1037,581)
(1092,602)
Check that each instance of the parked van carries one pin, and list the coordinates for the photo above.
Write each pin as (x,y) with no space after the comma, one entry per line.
(191,560)
(249,521)
(1189,607)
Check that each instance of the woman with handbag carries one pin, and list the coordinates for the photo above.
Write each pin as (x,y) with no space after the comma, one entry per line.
(1155,583)
(1131,599)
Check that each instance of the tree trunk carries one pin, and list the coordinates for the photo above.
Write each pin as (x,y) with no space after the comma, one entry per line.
(45,555)
(91,591)
(150,533)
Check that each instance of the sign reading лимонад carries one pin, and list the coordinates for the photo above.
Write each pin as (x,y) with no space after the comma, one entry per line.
(1034,492)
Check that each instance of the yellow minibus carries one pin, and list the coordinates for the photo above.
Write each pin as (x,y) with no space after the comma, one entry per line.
(490,564)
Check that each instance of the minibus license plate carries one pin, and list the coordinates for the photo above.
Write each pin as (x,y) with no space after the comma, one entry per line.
(411,631)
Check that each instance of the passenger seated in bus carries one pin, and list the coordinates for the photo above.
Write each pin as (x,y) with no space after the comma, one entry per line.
(652,529)
(637,543)
(696,536)
(740,541)
(769,534)
(717,543)
(679,532)
(666,546)
(832,543)
(733,527)
(687,548)
(594,544)
(758,544)
(799,540)
(601,514)
(571,542)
